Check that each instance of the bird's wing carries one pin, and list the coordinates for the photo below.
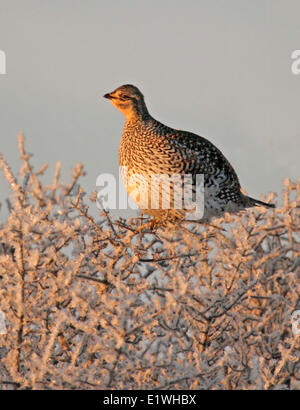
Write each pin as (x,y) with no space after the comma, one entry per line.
(201,156)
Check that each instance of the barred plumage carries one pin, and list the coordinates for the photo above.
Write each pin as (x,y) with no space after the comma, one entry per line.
(149,147)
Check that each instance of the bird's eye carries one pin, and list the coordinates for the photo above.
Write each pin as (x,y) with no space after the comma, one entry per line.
(124,97)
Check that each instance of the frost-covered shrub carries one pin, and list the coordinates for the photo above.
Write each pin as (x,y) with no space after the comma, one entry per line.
(88,304)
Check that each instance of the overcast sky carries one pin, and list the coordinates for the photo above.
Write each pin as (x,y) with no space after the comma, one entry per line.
(219,68)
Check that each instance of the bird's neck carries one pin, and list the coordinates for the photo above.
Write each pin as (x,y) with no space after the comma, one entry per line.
(137,113)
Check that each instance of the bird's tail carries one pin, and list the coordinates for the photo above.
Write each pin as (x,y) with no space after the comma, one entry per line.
(256,202)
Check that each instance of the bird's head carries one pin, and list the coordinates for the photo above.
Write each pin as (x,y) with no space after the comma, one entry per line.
(129,100)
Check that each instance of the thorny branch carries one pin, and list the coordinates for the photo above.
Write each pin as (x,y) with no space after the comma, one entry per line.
(109,304)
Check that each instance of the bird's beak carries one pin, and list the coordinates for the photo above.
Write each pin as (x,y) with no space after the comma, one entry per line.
(108,95)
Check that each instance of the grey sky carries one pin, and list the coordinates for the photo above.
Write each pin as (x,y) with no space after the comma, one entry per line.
(221,69)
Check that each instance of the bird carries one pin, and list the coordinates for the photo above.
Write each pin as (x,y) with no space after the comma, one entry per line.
(149,149)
